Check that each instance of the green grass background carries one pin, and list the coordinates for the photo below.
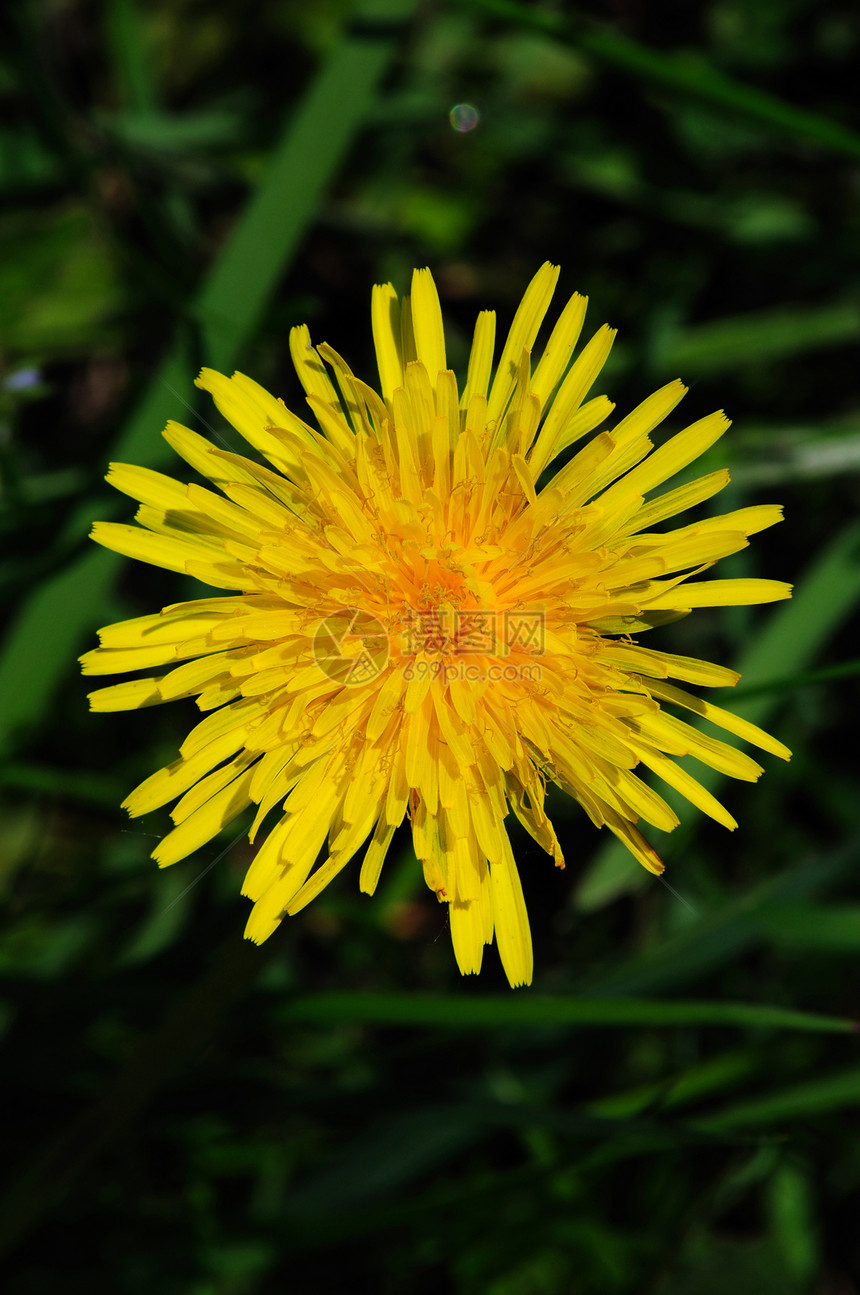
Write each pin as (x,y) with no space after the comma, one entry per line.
(673,1108)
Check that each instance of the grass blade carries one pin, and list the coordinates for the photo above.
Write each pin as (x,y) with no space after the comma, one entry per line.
(759,337)
(507,1012)
(687,75)
(40,645)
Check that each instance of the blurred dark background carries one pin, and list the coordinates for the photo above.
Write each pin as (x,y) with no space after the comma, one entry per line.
(672,1108)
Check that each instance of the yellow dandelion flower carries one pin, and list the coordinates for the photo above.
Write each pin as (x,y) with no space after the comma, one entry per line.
(415,627)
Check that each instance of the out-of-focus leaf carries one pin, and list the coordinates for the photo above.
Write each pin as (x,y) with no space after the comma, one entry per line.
(794,459)
(163,133)
(791,1208)
(127,40)
(713,1076)
(831,929)
(57,282)
(25,162)
(29,950)
(710,1265)
(87,787)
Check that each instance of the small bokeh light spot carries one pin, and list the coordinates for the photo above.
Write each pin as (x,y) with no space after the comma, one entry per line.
(22,380)
(464,117)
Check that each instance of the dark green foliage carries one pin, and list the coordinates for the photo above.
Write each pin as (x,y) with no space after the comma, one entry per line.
(673,1108)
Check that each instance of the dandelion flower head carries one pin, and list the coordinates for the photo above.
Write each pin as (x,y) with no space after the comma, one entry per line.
(421,620)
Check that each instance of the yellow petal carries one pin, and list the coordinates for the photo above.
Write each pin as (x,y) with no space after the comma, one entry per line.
(587,417)
(467,934)
(167,783)
(651,412)
(722,718)
(670,458)
(126,696)
(716,593)
(660,665)
(173,553)
(635,842)
(686,784)
(166,626)
(524,330)
(579,381)
(682,739)
(374,857)
(317,882)
(480,358)
(427,324)
(206,822)
(680,499)
(511,921)
(385,320)
(197,796)
(559,348)
(147,486)
(251,410)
